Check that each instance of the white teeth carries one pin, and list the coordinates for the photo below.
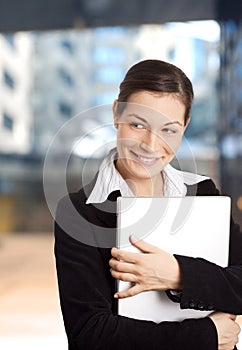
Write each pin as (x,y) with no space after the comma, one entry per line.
(147,160)
(144,159)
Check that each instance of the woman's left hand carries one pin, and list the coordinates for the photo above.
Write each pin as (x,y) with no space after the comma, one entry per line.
(152,269)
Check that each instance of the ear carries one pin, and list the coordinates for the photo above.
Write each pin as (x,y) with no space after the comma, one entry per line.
(115,114)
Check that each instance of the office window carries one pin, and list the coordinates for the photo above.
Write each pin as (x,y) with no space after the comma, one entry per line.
(108,75)
(107,55)
(7,122)
(67,45)
(10,39)
(8,79)
(65,76)
(111,32)
(65,109)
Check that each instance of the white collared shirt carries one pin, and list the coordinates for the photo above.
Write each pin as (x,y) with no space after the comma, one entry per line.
(109,180)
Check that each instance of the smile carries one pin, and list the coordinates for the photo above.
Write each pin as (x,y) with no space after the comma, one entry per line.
(145,160)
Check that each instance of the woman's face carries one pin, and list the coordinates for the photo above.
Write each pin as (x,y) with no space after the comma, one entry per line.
(150,130)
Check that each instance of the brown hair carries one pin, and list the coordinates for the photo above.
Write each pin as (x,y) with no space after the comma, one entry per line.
(158,77)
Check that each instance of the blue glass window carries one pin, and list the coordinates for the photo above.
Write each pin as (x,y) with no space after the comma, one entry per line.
(105,32)
(108,75)
(65,109)
(10,39)
(67,45)
(65,76)
(108,55)
(8,79)
(7,121)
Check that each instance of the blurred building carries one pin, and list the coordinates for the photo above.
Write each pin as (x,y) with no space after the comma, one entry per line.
(74,71)
(15,84)
(67,73)
(194,47)
(230,126)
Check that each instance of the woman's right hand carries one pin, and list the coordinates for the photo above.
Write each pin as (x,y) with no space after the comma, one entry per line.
(227,329)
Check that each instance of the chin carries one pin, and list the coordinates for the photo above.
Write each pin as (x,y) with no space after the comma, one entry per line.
(145,173)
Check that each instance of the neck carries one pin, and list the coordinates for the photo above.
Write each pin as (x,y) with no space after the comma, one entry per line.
(151,187)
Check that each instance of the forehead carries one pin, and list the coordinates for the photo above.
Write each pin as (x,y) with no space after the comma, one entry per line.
(155,108)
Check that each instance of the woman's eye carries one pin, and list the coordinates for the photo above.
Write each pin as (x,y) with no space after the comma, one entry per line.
(137,126)
(169,131)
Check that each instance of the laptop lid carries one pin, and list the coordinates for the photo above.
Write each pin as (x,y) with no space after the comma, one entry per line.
(192,226)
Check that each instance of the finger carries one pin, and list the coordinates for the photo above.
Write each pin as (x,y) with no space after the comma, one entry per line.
(235,340)
(143,246)
(231,316)
(122,266)
(238,328)
(125,277)
(123,255)
(224,314)
(136,289)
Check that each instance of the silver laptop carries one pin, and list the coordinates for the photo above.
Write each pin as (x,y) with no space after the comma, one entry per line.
(191,226)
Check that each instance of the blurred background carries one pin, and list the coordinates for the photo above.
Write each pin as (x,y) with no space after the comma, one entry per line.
(61,58)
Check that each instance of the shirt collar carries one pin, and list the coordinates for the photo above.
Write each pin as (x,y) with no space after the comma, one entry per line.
(175,181)
(109,180)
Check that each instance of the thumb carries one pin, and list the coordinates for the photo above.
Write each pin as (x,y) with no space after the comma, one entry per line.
(142,245)
(232,317)
(224,314)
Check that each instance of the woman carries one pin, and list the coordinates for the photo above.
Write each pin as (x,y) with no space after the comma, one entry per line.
(151,114)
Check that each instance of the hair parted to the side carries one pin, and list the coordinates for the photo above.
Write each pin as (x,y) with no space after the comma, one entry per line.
(158,77)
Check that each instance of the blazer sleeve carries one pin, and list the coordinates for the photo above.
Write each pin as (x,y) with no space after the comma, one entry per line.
(86,298)
(207,286)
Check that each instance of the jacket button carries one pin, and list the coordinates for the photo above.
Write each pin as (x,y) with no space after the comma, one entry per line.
(200,306)
(192,304)
(185,305)
(210,307)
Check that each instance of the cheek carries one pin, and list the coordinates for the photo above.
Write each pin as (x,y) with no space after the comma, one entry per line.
(171,144)
(127,137)
(126,143)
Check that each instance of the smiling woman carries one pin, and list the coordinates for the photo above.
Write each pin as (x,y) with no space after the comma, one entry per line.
(150,130)
(151,114)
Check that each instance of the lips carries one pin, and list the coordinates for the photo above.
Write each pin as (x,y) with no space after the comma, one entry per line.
(145,160)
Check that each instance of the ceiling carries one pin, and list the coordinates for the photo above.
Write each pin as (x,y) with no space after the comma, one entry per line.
(18,15)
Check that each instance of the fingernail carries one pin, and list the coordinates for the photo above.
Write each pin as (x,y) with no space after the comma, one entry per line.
(116,295)
(133,238)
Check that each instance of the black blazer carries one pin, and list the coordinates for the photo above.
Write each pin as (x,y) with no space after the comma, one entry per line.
(86,287)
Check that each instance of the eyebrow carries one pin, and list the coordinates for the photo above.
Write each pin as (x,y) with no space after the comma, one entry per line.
(176,122)
(136,116)
(145,121)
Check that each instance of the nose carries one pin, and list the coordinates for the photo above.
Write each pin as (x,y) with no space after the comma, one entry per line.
(151,142)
